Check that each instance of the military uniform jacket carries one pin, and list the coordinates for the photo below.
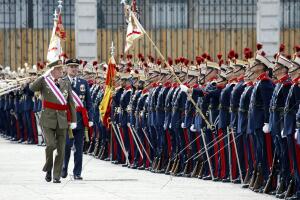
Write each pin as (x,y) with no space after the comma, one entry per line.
(51,118)
(277,104)
(243,109)
(160,106)
(224,115)
(260,103)
(290,109)
(82,89)
(235,101)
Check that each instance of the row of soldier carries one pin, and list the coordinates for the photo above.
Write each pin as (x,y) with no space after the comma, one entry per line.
(243,128)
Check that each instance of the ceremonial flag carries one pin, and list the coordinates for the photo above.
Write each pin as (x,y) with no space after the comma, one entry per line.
(109,88)
(134,31)
(58,33)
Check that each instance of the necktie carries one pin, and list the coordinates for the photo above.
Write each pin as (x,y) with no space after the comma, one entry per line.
(73,82)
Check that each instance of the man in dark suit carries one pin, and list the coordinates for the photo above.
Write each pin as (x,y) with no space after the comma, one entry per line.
(84,113)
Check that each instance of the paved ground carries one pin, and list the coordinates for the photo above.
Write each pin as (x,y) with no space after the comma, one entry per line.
(21,178)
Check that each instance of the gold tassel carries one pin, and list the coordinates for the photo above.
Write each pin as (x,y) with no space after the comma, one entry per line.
(86,134)
(70,132)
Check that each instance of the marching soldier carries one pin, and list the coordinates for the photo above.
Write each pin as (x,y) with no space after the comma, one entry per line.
(56,116)
(82,99)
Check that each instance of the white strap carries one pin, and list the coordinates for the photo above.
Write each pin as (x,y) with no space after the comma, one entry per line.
(55,90)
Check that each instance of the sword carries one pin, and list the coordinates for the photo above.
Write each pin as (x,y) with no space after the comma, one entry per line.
(137,145)
(237,155)
(137,136)
(147,138)
(119,138)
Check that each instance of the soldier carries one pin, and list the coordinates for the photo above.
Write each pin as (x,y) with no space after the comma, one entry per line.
(115,109)
(259,116)
(82,99)
(57,99)
(239,72)
(290,109)
(277,104)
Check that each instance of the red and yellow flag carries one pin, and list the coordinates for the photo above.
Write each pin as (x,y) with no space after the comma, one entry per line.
(104,107)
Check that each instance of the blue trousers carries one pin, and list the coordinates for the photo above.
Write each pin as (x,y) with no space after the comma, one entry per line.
(78,153)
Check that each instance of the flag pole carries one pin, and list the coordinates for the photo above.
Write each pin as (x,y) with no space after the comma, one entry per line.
(211,127)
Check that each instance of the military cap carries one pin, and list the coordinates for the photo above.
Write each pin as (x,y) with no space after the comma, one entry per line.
(56,63)
(73,62)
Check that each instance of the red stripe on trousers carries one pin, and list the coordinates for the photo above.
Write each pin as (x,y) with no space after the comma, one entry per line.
(269,149)
(34,129)
(222,154)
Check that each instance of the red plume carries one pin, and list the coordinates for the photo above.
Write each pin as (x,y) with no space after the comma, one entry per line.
(129,56)
(136,71)
(42,66)
(236,55)
(275,56)
(281,48)
(259,46)
(129,64)
(117,69)
(142,59)
(80,62)
(221,62)
(289,57)
(209,58)
(186,62)
(140,56)
(158,62)
(297,48)
(63,55)
(231,54)
(84,63)
(145,64)
(219,56)
(263,53)
(204,55)
(199,60)
(121,56)
(95,63)
(128,69)
(170,61)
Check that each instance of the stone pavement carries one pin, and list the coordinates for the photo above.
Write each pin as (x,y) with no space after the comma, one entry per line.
(21,178)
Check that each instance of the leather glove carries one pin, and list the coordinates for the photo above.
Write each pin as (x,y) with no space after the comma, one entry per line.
(266,128)
(91,124)
(193,128)
(73,125)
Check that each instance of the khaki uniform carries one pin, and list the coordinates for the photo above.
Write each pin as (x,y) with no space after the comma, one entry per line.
(54,123)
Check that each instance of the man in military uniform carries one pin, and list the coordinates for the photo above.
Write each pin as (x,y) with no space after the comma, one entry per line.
(259,116)
(58,109)
(290,109)
(277,104)
(82,98)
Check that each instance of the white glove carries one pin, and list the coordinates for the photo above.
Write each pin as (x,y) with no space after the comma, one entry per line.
(91,124)
(47,73)
(73,125)
(183,125)
(193,128)
(184,88)
(296,134)
(282,136)
(266,128)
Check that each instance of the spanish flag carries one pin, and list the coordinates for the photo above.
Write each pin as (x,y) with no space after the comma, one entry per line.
(109,88)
